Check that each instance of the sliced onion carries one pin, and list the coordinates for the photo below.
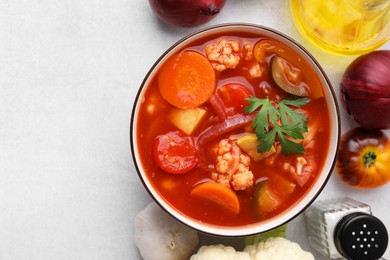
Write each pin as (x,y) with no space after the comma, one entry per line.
(218,107)
(224,127)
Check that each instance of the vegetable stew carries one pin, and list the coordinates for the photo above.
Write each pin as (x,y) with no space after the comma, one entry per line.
(233,129)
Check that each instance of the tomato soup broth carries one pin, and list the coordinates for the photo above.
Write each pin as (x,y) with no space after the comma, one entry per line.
(269,185)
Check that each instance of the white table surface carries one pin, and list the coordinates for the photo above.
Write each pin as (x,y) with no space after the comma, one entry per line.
(69,72)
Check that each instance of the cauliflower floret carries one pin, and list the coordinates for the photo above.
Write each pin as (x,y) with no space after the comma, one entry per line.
(219,252)
(255,71)
(232,166)
(277,248)
(243,177)
(247,51)
(223,55)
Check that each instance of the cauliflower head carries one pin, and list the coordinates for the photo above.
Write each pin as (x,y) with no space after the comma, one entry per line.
(219,252)
(277,248)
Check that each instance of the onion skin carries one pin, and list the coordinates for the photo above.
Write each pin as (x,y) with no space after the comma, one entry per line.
(365,90)
(374,115)
(186,13)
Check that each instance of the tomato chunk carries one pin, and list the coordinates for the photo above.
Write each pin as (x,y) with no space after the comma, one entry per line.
(234,96)
(175,152)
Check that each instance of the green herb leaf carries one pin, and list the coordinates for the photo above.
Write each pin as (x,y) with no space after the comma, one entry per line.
(288,146)
(267,113)
(281,120)
(290,115)
(266,141)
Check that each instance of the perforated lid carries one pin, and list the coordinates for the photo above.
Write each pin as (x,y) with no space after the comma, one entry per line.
(360,236)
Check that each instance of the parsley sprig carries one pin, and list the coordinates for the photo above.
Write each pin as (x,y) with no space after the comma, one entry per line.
(280,120)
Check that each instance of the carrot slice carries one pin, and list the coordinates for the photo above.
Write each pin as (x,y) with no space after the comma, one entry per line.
(187,80)
(217,193)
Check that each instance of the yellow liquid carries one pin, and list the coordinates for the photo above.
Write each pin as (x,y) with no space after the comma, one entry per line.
(344,26)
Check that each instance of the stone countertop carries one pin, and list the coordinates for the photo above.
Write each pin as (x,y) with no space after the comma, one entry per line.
(69,73)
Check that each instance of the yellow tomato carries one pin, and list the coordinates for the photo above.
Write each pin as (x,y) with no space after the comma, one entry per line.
(364,158)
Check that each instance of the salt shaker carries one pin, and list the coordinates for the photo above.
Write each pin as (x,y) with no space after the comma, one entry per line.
(342,228)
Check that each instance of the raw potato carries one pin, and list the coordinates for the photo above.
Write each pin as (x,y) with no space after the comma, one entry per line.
(248,143)
(186,119)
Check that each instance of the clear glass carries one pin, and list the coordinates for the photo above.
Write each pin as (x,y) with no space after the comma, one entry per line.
(348,27)
(322,218)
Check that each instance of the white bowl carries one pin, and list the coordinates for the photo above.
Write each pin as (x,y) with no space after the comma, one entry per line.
(313,191)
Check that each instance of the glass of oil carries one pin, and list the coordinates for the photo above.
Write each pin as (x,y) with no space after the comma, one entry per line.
(348,27)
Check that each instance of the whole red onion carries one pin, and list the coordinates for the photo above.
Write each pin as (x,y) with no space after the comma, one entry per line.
(186,13)
(365,90)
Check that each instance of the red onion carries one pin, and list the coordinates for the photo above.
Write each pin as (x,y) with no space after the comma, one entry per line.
(218,107)
(365,90)
(228,125)
(186,13)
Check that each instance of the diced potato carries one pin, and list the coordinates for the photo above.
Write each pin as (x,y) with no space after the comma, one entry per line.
(186,119)
(282,186)
(248,143)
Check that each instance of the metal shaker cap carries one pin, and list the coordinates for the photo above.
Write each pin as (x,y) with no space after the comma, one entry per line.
(360,236)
